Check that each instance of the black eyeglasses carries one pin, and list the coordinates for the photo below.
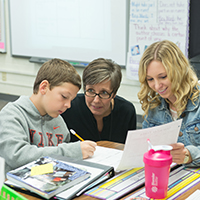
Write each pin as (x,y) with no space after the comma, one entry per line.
(102,95)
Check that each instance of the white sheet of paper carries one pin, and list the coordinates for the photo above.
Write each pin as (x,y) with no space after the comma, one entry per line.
(2,171)
(106,156)
(136,143)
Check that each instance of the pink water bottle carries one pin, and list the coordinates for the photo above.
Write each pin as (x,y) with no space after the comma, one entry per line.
(157,167)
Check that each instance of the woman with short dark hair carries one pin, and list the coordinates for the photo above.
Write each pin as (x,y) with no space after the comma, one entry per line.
(99,114)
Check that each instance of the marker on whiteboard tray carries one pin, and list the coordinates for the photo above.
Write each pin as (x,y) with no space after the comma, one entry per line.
(84,64)
(74,133)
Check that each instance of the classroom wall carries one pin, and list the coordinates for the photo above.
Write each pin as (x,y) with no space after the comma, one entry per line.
(194,39)
(17,74)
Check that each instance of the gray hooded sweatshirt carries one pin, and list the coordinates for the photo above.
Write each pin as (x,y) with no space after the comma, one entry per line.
(25,135)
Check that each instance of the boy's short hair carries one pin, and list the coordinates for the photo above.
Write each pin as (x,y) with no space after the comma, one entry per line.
(57,72)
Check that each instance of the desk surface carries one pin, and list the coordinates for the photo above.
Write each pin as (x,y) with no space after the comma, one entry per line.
(120,147)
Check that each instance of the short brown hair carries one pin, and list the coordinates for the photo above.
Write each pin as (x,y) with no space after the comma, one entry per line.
(100,70)
(57,72)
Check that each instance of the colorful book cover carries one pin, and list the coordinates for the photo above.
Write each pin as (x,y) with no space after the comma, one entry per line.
(47,176)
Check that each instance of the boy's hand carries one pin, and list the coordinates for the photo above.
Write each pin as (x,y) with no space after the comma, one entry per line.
(178,153)
(88,148)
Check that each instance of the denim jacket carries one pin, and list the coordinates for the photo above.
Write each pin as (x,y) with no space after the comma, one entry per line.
(190,129)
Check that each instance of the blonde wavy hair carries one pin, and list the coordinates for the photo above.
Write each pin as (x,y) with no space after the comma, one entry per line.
(181,74)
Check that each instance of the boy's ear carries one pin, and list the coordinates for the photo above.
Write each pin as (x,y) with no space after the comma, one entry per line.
(44,86)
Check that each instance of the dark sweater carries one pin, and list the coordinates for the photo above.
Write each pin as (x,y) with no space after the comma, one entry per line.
(115,125)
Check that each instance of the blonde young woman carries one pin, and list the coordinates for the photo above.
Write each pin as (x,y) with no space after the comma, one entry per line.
(170,91)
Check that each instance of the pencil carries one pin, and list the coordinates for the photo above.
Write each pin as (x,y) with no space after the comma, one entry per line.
(74,133)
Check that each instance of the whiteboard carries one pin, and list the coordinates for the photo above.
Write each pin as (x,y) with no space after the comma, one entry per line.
(76,30)
(2,27)
(152,21)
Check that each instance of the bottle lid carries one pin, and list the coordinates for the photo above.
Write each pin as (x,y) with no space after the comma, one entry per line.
(162,147)
(157,158)
(158,155)
(159,147)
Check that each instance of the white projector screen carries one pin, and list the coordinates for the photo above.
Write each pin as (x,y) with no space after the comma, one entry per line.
(74,30)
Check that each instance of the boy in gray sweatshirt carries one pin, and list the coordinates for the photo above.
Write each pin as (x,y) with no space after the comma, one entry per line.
(31,127)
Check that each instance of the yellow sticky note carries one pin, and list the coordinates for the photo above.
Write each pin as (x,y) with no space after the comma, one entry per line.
(42,169)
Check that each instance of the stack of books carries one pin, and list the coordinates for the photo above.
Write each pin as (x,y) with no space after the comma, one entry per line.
(50,176)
